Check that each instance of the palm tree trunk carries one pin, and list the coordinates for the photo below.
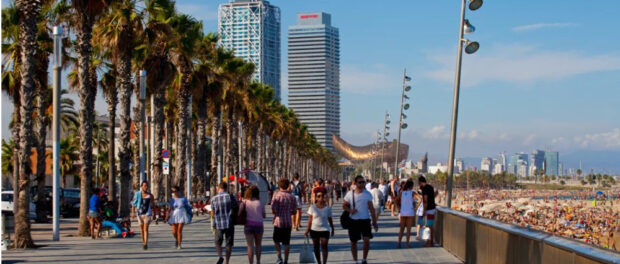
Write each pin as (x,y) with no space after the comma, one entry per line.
(215,145)
(16,139)
(42,125)
(28,29)
(87,95)
(112,100)
(181,152)
(158,132)
(201,155)
(124,151)
(137,126)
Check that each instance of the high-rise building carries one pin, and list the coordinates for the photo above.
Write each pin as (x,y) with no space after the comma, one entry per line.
(459,166)
(522,168)
(552,163)
(251,28)
(498,168)
(513,162)
(486,165)
(536,161)
(314,75)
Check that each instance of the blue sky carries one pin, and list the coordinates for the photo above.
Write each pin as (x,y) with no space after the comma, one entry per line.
(547,74)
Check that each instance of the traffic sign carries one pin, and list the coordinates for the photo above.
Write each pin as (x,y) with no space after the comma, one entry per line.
(165,154)
(166,168)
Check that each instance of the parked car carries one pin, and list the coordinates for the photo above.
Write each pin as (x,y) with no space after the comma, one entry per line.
(70,202)
(7,204)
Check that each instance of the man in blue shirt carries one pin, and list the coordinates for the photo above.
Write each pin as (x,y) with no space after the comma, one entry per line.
(94,208)
(222,206)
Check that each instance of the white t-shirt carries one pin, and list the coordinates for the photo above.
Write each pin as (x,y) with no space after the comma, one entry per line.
(320,217)
(361,204)
(377,196)
(383,188)
(369,186)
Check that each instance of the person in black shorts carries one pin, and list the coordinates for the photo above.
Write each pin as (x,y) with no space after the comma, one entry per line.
(358,202)
(319,224)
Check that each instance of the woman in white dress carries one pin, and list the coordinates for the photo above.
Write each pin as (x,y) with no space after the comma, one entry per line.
(407,213)
(179,213)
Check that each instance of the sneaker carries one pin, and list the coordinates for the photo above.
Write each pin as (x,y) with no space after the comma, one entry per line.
(279,260)
(364,262)
(145,247)
(220,261)
(179,247)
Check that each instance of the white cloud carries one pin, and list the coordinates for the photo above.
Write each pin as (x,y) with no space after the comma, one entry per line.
(529,139)
(603,140)
(541,26)
(199,11)
(436,132)
(368,80)
(521,63)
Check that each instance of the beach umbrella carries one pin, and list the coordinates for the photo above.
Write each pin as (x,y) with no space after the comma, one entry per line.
(599,193)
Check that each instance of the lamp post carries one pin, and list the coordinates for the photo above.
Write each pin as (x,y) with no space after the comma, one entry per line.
(57,35)
(386,133)
(470,47)
(142,123)
(401,125)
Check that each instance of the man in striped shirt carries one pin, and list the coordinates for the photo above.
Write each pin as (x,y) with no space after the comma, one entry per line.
(283,206)
(223,205)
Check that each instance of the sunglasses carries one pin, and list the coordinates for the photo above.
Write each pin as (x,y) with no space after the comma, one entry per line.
(361,182)
(319,196)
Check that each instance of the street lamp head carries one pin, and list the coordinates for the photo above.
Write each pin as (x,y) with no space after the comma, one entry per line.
(406,106)
(407,88)
(404,116)
(406,97)
(387,122)
(407,78)
(474,4)
(403,126)
(471,46)
(468,27)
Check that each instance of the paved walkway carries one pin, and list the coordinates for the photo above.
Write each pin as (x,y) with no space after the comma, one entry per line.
(198,246)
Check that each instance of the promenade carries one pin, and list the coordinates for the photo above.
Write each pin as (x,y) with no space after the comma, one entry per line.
(198,245)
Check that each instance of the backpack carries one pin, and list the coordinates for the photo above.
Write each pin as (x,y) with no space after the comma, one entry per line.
(297,189)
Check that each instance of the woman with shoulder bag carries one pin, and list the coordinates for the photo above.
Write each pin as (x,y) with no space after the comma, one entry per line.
(254,212)
(179,213)
(319,216)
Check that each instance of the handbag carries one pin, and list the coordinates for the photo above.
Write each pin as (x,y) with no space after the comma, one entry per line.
(242,215)
(426,233)
(306,255)
(345,218)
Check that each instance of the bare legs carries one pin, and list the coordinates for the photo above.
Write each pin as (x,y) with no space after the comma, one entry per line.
(254,241)
(405,221)
(366,248)
(320,244)
(297,220)
(177,233)
(95,223)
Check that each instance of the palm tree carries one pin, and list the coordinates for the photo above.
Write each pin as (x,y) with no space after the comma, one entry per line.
(68,155)
(110,92)
(160,73)
(28,14)
(7,157)
(188,32)
(11,79)
(117,33)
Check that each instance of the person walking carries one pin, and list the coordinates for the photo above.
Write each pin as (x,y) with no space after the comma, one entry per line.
(179,214)
(407,213)
(428,198)
(319,224)
(94,211)
(393,194)
(222,206)
(377,199)
(283,206)
(419,212)
(361,214)
(329,187)
(296,188)
(253,229)
(143,203)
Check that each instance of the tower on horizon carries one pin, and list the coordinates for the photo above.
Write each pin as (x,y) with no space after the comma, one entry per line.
(251,28)
(314,75)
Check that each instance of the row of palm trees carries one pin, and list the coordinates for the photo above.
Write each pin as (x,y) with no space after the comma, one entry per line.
(110,41)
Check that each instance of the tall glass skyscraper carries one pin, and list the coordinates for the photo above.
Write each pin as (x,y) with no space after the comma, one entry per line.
(251,28)
(314,75)
(552,163)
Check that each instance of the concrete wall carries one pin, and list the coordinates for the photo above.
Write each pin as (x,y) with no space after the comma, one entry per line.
(478,240)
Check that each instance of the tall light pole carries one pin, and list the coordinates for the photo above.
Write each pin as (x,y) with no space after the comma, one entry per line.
(386,133)
(142,123)
(401,125)
(470,47)
(57,35)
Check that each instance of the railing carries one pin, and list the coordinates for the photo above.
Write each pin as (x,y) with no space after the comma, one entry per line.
(479,240)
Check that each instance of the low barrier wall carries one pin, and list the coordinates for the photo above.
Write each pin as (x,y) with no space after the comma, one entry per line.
(479,240)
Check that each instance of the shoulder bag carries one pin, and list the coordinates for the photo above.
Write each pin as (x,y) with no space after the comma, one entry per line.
(345,218)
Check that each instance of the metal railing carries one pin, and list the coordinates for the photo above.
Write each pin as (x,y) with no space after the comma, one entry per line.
(475,239)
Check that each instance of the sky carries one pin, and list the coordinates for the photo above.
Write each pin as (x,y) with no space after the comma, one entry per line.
(546,76)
